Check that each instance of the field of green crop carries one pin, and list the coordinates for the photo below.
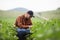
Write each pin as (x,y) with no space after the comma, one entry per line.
(41,29)
(7,30)
(46,30)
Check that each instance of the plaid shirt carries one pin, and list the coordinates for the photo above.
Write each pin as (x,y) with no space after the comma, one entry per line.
(22,22)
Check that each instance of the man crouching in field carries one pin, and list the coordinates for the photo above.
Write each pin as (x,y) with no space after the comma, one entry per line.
(23,23)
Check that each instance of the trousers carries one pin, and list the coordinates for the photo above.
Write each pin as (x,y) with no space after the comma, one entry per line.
(21,33)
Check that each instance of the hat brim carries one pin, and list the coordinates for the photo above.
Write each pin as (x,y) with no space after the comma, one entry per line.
(33,16)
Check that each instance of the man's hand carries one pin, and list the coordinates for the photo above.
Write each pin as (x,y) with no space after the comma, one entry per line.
(27,26)
(30,26)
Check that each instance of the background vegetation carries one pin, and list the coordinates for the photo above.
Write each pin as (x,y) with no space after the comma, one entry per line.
(42,29)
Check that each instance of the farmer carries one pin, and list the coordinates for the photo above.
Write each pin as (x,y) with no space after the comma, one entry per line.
(23,23)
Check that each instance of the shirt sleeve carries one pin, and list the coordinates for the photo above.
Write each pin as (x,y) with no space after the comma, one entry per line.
(30,22)
(19,20)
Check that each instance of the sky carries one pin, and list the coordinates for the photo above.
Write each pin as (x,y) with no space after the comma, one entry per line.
(34,5)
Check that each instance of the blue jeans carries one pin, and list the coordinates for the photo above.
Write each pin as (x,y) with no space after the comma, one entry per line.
(22,32)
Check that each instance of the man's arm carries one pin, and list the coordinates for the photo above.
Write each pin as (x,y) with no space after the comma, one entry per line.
(30,23)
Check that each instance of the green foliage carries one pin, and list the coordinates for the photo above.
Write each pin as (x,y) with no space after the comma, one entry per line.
(42,29)
(46,30)
(7,31)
